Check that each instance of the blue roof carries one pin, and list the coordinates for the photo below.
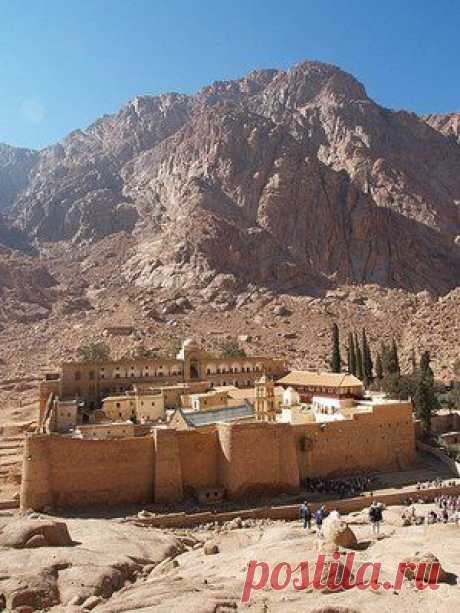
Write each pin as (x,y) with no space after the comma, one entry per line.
(205,418)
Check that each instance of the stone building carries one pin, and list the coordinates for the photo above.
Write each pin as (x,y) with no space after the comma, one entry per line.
(90,382)
(309,384)
(265,399)
(140,407)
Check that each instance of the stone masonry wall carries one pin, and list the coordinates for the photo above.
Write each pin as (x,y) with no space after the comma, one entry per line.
(66,472)
(244,458)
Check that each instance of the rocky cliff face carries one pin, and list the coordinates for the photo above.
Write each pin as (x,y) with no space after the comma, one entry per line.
(304,175)
(282,181)
(448,124)
(15,169)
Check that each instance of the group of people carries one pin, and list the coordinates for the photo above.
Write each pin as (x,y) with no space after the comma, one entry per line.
(342,488)
(449,511)
(317,517)
(438,482)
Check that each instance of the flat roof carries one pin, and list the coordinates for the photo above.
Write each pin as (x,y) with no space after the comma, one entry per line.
(206,418)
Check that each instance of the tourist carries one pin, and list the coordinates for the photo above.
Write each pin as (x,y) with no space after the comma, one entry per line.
(319,517)
(375,517)
(334,514)
(342,488)
(306,514)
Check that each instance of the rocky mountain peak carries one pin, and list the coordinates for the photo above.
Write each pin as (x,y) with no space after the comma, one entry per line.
(301,159)
(448,124)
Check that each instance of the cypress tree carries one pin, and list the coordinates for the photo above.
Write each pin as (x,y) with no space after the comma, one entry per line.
(368,366)
(413,361)
(359,359)
(385,357)
(352,354)
(425,397)
(336,360)
(394,359)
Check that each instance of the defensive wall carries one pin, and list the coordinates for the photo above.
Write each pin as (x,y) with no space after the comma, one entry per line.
(243,458)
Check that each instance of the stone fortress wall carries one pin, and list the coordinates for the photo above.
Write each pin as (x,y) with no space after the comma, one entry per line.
(243,458)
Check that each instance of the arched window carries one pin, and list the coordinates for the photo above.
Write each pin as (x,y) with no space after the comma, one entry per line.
(77,375)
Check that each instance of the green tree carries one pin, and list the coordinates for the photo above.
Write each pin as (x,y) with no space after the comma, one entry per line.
(368,365)
(336,360)
(351,355)
(390,359)
(453,397)
(394,359)
(397,386)
(94,351)
(425,399)
(231,349)
(359,359)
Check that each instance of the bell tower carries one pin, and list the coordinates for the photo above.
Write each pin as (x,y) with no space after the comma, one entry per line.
(265,399)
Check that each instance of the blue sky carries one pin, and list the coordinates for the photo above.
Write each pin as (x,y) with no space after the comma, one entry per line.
(64,63)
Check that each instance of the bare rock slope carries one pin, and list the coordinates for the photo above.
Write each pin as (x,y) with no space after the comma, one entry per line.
(290,183)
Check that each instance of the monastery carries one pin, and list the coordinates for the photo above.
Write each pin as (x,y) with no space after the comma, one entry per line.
(202,426)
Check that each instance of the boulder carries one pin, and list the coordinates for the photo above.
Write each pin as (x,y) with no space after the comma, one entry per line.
(326,547)
(92,602)
(210,548)
(78,583)
(37,591)
(164,567)
(31,533)
(339,533)
(393,518)
(429,559)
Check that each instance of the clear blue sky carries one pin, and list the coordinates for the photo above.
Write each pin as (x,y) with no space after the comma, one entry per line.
(64,63)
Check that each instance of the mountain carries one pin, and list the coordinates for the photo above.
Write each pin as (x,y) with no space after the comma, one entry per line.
(448,124)
(16,165)
(290,183)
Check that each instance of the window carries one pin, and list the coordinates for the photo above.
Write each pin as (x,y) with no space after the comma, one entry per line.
(77,375)
(91,375)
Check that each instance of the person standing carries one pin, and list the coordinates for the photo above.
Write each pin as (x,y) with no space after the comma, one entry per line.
(306,514)
(319,516)
(375,517)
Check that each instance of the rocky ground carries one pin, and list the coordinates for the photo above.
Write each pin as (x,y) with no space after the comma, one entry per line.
(113,566)
(37,337)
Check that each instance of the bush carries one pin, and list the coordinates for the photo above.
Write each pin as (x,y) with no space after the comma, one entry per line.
(94,351)
(231,349)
